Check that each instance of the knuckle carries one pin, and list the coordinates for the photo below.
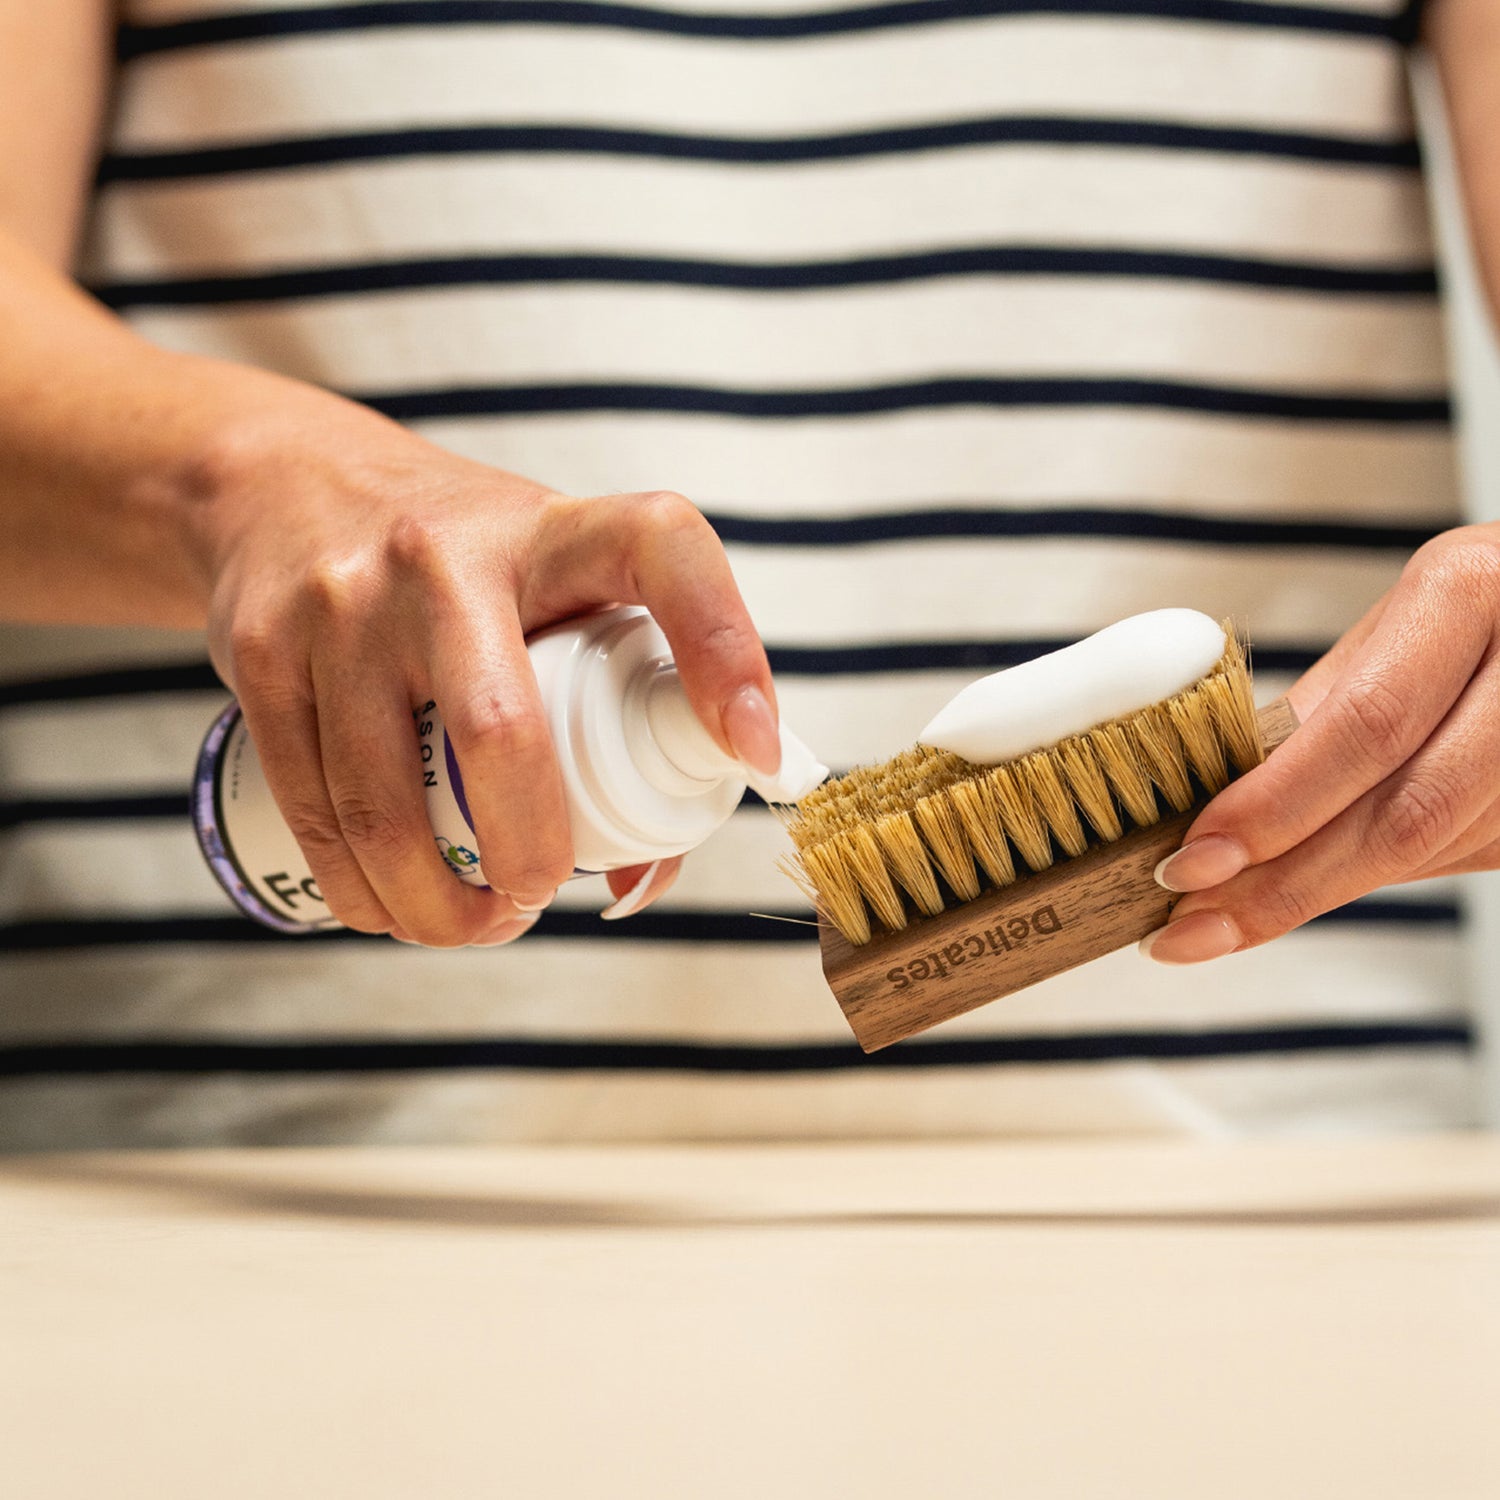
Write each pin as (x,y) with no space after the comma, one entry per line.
(314,827)
(374,830)
(1413,821)
(415,545)
(323,845)
(256,650)
(500,727)
(332,586)
(730,640)
(1466,562)
(1375,719)
(1284,907)
(533,865)
(666,514)
(550,506)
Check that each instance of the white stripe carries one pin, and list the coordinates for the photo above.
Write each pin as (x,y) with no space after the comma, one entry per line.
(72,871)
(1012,327)
(1349,1096)
(884,205)
(906,591)
(1214,466)
(552,987)
(100,746)
(882,79)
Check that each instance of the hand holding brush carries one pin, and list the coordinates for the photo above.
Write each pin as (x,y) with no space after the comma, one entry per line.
(1020,836)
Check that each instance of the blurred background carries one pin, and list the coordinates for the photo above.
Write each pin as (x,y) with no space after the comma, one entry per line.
(1476,361)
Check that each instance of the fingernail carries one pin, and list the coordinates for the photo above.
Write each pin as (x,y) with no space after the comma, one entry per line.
(630,903)
(508,932)
(1193,939)
(533,904)
(751,729)
(1205,862)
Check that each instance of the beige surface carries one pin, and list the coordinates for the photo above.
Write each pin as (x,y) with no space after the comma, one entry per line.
(1065,1321)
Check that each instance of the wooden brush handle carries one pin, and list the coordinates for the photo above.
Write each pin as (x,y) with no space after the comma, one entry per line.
(938,967)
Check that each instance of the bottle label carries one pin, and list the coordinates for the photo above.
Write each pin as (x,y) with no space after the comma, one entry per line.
(447,806)
(248,847)
(251,850)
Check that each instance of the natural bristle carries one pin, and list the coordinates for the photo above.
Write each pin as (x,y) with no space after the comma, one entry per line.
(886,844)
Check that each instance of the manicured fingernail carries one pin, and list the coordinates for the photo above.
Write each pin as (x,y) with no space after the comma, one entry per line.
(633,899)
(508,932)
(533,903)
(1205,862)
(751,729)
(1193,939)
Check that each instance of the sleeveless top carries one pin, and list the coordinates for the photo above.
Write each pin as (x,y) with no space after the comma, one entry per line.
(972,325)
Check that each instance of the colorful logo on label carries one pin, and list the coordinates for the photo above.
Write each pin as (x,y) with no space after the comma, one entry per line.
(461,859)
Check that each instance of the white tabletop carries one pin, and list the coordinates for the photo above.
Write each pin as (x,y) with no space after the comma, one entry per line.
(1068,1321)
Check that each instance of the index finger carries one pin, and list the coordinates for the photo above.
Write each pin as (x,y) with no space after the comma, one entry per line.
(658,550)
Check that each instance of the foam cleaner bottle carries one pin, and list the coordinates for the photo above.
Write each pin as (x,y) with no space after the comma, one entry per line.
(643,778)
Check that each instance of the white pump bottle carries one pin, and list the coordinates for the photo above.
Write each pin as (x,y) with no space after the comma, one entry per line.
(643,778)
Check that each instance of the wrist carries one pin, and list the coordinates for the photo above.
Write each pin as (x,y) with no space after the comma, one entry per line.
(257,442)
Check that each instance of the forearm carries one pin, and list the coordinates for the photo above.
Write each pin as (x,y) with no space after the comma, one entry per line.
(1464,37)
(114,456)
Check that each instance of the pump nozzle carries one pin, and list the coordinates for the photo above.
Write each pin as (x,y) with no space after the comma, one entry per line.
(799,772)
(689,750)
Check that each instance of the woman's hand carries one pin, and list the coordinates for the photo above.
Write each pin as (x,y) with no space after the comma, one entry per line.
(1394,774)
(356,569)
(345,570)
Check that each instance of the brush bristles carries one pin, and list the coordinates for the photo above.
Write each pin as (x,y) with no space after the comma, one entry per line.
(927,827)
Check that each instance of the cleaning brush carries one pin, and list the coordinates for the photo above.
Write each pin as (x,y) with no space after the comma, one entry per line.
(941,884)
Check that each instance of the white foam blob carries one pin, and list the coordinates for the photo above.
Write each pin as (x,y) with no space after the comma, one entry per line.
(1123,668)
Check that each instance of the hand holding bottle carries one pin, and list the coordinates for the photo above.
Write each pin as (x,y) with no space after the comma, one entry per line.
(643,780)
(357,570)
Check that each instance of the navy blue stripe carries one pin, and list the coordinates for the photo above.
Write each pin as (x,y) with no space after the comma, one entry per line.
(1428,408)
(796,661)
(134,808)
(968,656)
(367,277)
(654,925)
(420,1054)
(1377,911)
(143,40)
(115,682)
(289,153)
(1079,521)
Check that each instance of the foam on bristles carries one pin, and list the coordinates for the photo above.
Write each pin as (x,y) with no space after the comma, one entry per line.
(928,828)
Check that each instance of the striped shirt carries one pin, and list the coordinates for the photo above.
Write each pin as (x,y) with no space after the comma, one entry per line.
(971,324)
